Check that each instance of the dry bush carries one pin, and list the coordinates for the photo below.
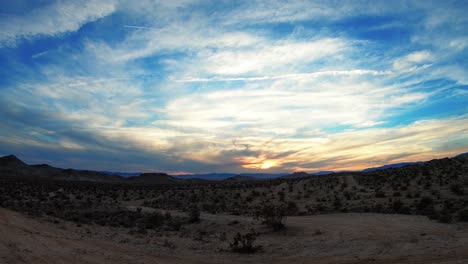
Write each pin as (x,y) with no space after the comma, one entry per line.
(244,243)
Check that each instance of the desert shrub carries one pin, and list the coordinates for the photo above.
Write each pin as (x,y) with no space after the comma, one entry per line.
(292,207)
(462,215)
(169,244)
(348,195)
(379,194)
(425,203)
(222,236)
(457,189)
(337,203)
(397,206)
(272,215)
(194,214)
(154,220)
(281,196)
(378,208)
(244,243)
(445,217)
(174,224)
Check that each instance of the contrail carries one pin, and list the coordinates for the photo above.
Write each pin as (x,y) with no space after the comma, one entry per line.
(286,76)
(138,27)
(96,81)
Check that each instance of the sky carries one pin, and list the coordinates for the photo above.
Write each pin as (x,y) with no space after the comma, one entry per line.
(232,86)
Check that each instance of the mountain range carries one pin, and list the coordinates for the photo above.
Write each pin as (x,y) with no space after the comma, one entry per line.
(11,166)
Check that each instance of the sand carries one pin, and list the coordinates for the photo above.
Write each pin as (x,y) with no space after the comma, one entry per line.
(333,238)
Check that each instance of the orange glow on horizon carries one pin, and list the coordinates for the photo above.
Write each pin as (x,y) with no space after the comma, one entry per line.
(267,164)
(258,163)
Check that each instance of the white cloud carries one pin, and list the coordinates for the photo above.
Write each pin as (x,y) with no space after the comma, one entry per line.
(286,76)
(359,149)
(57,18)
(269,57)
(353,149)
(282,107)
(453,72)
(175,37)
(412,60)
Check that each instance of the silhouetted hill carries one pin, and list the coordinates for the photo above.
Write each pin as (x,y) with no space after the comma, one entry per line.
(322,173)
(123,174)
(239,178)
(223,176)
(11,161)
(389,166)
(154,178)
(11,166)
(206,176)
(295,175)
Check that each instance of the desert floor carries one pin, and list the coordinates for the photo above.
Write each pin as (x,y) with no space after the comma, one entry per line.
(333,238)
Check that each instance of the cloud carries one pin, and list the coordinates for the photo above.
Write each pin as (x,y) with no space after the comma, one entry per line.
(172,38)
(378,146)
(269,57)
(285,76)
(286,106)
(363,148)
(140,27)
(413,59)
(52,20)
(192,86)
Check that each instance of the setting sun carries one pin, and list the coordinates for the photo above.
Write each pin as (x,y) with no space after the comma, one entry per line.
(267,164)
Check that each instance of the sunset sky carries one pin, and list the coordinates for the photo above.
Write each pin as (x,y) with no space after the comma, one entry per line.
(233,86)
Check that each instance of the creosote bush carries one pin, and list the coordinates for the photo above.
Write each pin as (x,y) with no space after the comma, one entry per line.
(463,215)
(272,215)
(244,243)
(194,214)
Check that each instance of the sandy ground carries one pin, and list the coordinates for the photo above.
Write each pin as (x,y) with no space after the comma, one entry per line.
(335,238)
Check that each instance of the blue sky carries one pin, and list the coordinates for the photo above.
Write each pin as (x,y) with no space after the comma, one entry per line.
(233,86)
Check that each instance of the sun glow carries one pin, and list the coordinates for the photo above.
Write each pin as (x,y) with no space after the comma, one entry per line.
(258,163)
(267,164)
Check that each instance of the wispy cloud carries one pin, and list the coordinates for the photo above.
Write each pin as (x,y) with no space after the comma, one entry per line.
(140,27)
(287,76)
(82,83)
(54,19)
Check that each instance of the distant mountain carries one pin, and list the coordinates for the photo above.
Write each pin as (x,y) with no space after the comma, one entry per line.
(295,175)
(223,176)
(206,176)
(11,161)
(240,178)
(302,174)
(154,178)
(392,166)
(11,166)
(322,173)
(264,175)
(462,155)
(123,174)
